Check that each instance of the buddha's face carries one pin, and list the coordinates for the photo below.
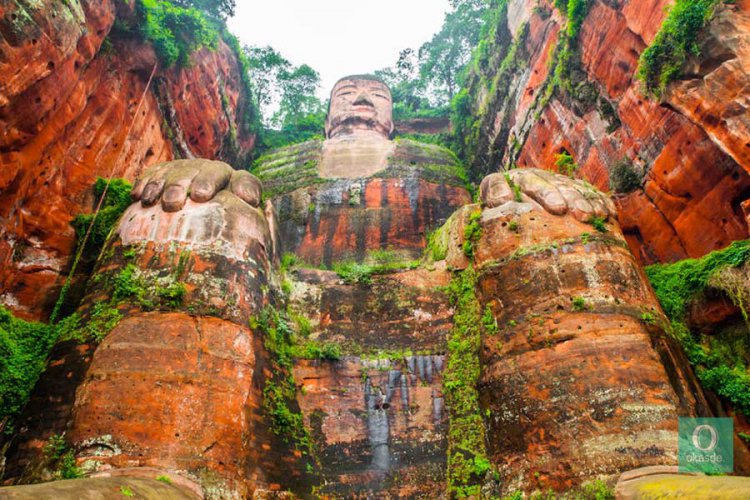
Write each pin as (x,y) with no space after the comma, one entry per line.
(359,105)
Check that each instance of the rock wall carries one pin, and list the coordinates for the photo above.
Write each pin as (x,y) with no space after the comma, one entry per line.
(691,148)
(325,220)
(377,415)
(68,99)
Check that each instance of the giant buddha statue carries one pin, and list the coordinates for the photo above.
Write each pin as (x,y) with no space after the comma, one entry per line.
(194,378)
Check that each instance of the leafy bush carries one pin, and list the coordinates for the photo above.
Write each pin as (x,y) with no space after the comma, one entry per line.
(565,164)
(720,363)
(280,389)
(24,347)
(60,457)
(599,223)
(115,202)
(472,233)
(327,351)
(353,273)
(662,61)
(172,295)
(579,304)
(678,283)
(624,178)
(175,32)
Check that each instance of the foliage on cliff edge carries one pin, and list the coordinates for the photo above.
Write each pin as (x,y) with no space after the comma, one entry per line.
(721,358)
(663,60)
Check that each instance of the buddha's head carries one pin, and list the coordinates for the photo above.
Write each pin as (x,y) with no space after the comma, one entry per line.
(359,103)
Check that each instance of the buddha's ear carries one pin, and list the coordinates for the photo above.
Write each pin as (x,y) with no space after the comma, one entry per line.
(327,128)
(393,129)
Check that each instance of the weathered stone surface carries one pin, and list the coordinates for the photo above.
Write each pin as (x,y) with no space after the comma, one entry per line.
(714,92)
(379,424)
(377,415)
(191,403)
(351,157)
(66,107)
(653,482)
(606,118)
(181,387)
(329,220)
(576,383)
(399,312)
(100,488)
(436,125)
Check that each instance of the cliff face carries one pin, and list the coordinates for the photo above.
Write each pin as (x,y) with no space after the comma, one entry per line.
(690,148)
(75,104)
(327,220)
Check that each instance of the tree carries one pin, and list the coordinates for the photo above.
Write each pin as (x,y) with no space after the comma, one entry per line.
(266,64)
(443,58)
(298,99)
(218,9)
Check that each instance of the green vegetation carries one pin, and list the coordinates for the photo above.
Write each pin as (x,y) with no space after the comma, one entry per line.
(678,284)
(445,140)
(424,81)
(515,187)
(579,304)
(178,28)
(624,178)
(60,458)
(354,273)
(377,262)
(467,456)
(648,318)
(164,479)
(599,223)
(437,243)
(327,351)
(472,233)
(721,359)
(24,347)
(280,390)
(595,490)
(174,31)
(663,60)
(565,164)
(127,491)
(300,115)
(116,200)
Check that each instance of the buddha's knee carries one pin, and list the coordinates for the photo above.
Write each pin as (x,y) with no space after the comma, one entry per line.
(173,382)
(578,376)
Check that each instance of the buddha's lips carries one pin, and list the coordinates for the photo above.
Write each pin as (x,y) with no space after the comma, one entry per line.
(363,107)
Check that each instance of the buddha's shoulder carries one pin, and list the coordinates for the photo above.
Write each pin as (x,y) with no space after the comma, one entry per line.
(429,162)
(413,152)
(294,154)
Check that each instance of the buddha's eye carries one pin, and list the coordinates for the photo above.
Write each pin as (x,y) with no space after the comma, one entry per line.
(345,94)
(381,96)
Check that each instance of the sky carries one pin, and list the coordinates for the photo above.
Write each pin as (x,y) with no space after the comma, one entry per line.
(338,37)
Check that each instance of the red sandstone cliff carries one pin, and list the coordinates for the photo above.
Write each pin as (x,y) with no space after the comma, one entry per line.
(69,92)
(692,146)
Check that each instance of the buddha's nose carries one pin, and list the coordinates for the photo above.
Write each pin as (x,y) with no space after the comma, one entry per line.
(363,99)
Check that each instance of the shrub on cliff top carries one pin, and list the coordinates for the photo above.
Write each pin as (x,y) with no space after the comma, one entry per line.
(175,31)
(678,283)
(662,62)
(624,178)
(720,359)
